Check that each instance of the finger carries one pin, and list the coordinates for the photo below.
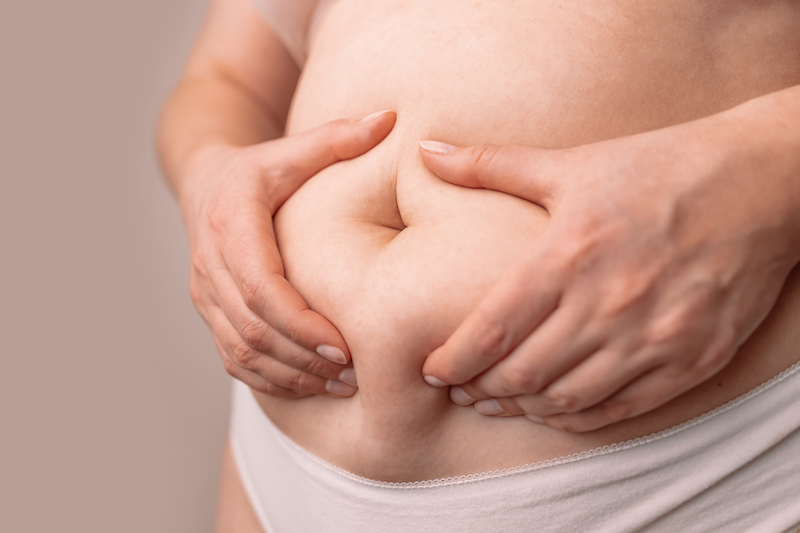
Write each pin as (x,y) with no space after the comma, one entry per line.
(303,155)
(498,407)
(599,377)
(559,344)
(517,170)
(464,397)
(596,379)
(240,324)
(645,394)
(242,360)
(253,380)
(653,389)
(255,266)
(507,315)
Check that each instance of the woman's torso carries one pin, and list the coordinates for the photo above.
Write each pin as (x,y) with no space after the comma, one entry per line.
(396,258)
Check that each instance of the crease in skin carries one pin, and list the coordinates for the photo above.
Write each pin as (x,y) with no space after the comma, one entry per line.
(395,172)
(406,161)
(381,209)
(400,283)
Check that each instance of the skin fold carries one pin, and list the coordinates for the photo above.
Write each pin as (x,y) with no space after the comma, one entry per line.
(620,138)
(398,257)
(661,283)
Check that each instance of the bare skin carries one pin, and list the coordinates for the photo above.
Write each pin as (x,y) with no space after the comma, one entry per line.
(649,277)
(219,148)
(234,512)
(396,258)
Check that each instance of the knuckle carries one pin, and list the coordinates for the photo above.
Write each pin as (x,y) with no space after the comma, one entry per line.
(270,389)
(315,365)
(493,338)
(198,265)
(335,127)
(252,287)
(482,157)
(293,327)
(288,393)
(614,411)
(301,382)
(561,256)
(230,367)
(519,381)
(274,178)
(217,219)
(195,290)
(668,328)
(570,260)
(624,295)
(278,185)
(257,334)
(660,356)
(244,356)
(562,400)
(574,256)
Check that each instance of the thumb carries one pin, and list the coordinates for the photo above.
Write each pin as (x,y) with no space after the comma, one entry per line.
(307,153)
(298,157)
(517,170)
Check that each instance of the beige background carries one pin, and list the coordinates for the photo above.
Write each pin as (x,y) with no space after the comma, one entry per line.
(113,402)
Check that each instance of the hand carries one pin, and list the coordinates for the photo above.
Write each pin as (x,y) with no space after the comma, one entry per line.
(661,258)
(264,330)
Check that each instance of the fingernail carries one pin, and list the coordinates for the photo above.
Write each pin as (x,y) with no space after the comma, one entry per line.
(339,388)
(332,353)
(460,396)
(435,381)
(489,407)
(437,147)
(348,375)
(534,418)
(374,116)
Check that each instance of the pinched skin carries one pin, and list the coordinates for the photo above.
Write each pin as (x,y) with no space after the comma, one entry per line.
(396,258)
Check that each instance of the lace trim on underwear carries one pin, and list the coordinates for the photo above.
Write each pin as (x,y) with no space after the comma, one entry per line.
(603,450)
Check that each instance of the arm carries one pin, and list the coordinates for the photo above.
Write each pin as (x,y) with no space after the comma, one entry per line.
(235,90)
(220,149)
(665,251)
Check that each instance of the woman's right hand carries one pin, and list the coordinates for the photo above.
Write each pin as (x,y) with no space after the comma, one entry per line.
(267,336)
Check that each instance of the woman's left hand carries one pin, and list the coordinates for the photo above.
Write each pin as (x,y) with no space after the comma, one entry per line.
(664,252)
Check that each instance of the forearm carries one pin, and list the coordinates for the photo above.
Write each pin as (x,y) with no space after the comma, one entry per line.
(235,90)
(207,111)
(764,144)
(738,172)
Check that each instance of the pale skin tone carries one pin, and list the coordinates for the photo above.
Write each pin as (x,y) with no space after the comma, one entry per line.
(217,149)
(228,104)
(638,281)
(270,340)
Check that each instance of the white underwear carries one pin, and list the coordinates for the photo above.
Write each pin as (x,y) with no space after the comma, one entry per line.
(733,469)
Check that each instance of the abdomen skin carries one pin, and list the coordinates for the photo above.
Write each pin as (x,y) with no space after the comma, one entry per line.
(396,258)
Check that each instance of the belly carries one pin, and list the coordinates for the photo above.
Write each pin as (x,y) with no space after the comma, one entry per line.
(396,258)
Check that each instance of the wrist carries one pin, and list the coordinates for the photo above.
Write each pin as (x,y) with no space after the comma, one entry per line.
(770,139)
(755,148)
(197,163)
